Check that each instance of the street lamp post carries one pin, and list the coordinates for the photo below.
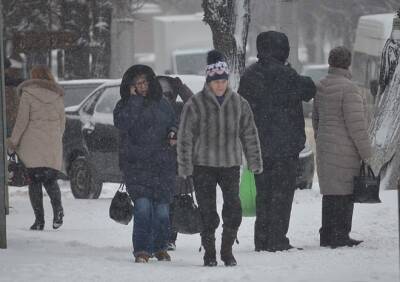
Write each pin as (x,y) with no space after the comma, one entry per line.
(3,234)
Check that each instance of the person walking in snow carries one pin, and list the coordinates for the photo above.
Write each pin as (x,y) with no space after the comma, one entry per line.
(146,122)
(340,129)
(216,125)
(172,87)
(37,139)
(275,93)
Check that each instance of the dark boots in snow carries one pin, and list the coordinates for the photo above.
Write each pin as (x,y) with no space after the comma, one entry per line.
(228,239)
(337,216)
(208,242)
(36,199)
(58,219)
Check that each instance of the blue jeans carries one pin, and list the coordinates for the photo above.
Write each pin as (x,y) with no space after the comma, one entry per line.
(150,226)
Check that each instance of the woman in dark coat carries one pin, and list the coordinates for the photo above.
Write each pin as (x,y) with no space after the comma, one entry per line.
(146,121)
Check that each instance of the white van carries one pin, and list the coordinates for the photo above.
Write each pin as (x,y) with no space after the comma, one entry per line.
(371,35)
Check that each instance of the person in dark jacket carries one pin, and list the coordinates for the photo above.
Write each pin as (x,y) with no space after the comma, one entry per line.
(145,120)
(216,127)
(275,92)
(173,87)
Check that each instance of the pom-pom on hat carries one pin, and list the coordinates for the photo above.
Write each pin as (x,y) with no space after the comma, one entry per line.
(217,68)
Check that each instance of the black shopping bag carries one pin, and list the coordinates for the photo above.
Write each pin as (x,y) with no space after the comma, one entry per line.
(366,186)
(187,219)
(121,207)
(17,173)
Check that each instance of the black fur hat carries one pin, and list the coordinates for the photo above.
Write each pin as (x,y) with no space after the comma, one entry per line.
(155,90)
(273,44)
(217,68)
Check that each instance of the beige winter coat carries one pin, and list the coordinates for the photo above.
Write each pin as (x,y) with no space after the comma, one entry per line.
(39,128)
(340,126)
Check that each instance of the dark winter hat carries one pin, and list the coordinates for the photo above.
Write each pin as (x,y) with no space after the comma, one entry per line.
(340,57)
(273,44)
(217,68)
(155,90)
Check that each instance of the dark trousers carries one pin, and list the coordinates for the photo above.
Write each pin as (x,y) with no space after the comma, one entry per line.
(275,191)
(205,183)
(337,217)
(48,178)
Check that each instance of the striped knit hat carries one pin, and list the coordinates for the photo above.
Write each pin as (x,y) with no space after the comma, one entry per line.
(217,68)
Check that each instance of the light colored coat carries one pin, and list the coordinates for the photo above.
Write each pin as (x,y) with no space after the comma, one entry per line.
(40,124)
(340,128)
(216,135)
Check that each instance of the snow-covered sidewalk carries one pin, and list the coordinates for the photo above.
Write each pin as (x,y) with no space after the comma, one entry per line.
(91,247)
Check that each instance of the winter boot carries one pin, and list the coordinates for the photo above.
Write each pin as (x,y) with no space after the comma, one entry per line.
(228,238)
(36,199)
(58,219)
(53,190)
(208,242)
(142,257)
(37,225)
(171,246)
(162,256)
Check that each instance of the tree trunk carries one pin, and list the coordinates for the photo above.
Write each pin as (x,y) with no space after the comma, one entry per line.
(122,39)
(75,18)
(101,43)
(229,22)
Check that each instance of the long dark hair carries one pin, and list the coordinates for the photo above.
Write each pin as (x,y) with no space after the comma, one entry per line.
(155,90)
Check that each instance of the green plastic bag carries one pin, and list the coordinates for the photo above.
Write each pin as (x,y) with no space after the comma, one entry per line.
(247,193)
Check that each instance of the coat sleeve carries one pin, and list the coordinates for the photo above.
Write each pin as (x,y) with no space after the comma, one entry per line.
(62,116)
(186,136)
(250,140)
(355,121)
(126,113)
(307,88)
(315,115)
(250,87)
(22,120)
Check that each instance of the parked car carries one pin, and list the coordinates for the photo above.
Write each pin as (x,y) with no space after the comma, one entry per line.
(77,90)
(316,72)
(91,141)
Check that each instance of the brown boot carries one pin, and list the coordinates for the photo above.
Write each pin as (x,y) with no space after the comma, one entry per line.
(162,256)
(142,257)
(228,238)
(208,242)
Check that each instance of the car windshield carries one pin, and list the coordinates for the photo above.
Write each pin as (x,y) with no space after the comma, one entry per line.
(108,100)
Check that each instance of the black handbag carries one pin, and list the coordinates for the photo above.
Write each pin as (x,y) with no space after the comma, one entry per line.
(121,207)
(366,186)
(17,173)
(187,219)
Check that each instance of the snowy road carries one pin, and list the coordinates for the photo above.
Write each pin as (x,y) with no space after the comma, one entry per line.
(91,247)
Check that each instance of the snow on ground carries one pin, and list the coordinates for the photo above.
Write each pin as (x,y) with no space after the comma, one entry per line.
(91,247)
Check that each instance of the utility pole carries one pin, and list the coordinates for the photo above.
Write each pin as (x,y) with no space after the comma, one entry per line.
(3,183)
(287,23)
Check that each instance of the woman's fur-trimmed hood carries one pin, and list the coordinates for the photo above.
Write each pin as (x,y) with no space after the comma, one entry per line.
(44,90)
